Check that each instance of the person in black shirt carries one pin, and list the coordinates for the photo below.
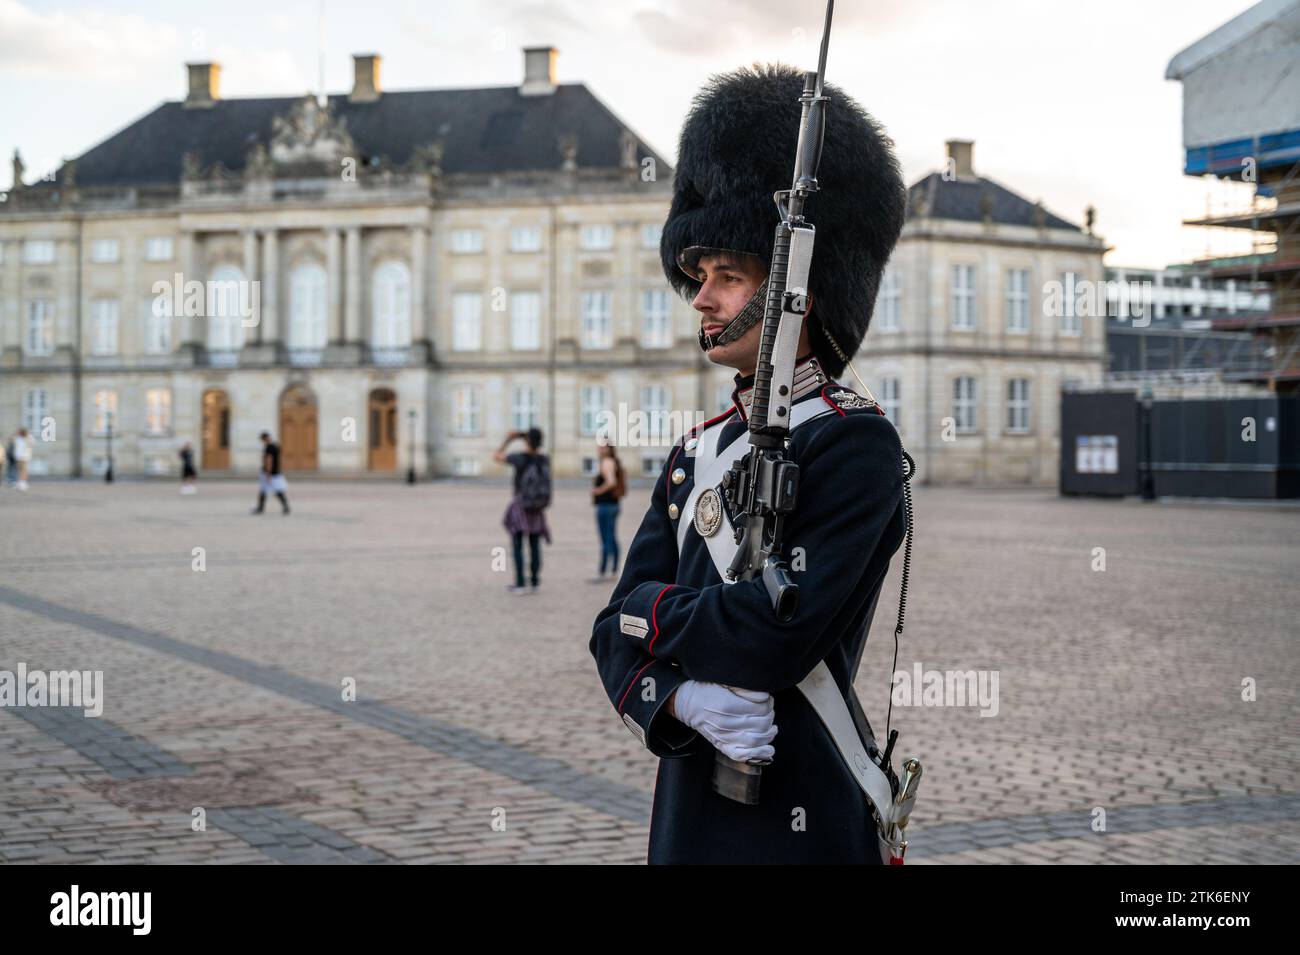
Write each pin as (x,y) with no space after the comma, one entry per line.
(188,474)
(270,478)
(608,486)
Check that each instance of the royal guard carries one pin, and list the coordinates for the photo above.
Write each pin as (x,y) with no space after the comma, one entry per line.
(745,694)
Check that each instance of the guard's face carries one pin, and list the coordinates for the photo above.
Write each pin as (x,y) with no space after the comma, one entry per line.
(727,284)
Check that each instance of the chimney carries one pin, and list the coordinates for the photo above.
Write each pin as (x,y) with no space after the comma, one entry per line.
(365,82)
(959,156)
(204,82)
(539,71)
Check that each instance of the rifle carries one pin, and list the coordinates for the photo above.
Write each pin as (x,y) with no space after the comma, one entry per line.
(763,487)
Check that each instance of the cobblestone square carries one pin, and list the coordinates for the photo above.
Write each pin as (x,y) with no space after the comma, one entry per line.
(480,732)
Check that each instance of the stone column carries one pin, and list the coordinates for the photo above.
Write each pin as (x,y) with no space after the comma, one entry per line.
(334,284)
(419,254)
(250,273)
(12,317)
(352,331)
(190,328)
(270,327)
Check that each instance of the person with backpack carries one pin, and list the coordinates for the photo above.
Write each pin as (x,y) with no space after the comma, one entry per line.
(608,488)
(526,515)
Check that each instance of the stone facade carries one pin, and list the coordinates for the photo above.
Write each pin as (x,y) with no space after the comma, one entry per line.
(485,300)
(919,346)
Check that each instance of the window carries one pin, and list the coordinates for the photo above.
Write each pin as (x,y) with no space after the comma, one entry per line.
(889,398)
(656,323)
(596,237)
(652,466)
(390,306)
(226,291)
(963,403)
(1017,300)
(523,408)
(38,251)
(104,313)
(1018,405)
(465,410)
(158,325)
(308,309)
(526,238)
(594,402)
(465,466)
(158,410)
(526,320)
(105,410)
(963,297)
(466,241)
(655,405)
(651,233)
(722,397)
(466,321)
(1070,317)
(104,250)
(158,248)
(596,330)
(889,301)
(35,408)
(40,328)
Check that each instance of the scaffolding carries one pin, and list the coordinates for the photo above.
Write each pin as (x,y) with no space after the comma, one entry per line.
(1273,219)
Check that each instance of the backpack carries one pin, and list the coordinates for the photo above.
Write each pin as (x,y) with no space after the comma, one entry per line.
(535,484)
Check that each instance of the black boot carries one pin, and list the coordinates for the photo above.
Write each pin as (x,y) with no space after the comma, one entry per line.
(284,502)
(261,504)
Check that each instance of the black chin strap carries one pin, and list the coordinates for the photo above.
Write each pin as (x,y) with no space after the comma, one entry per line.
(745,319)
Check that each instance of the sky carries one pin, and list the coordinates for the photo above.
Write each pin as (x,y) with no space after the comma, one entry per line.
(1066,101)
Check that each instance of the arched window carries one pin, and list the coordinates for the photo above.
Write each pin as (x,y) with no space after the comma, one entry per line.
(228,301)
(308,315)
(391,306)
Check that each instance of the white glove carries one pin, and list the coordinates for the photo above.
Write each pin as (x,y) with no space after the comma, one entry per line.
(737,722)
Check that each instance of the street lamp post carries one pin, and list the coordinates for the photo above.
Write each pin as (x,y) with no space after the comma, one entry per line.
(410,473)
(108,433)
(1147,483)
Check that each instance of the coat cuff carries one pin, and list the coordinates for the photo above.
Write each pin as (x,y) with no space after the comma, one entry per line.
(643,714)
(637,617)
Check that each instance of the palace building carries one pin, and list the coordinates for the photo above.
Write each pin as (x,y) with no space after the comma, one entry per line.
(387,279)
(979,325)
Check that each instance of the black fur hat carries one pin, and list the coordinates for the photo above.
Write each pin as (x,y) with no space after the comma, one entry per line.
(737,148)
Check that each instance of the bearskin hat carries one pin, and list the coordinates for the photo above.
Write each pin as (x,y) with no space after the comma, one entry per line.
(737,148)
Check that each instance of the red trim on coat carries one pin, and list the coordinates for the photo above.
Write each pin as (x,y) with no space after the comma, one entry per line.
(829,402)
(653,620)
(668,484)
(623,698)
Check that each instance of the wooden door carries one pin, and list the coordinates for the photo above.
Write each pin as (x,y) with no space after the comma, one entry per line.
(216,430)
(383,430)
(298,430)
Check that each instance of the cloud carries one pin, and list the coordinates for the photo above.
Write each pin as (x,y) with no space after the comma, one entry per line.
(91,43)
(274,72)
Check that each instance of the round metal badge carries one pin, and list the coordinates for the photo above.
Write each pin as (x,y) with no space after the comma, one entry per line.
(708,512)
